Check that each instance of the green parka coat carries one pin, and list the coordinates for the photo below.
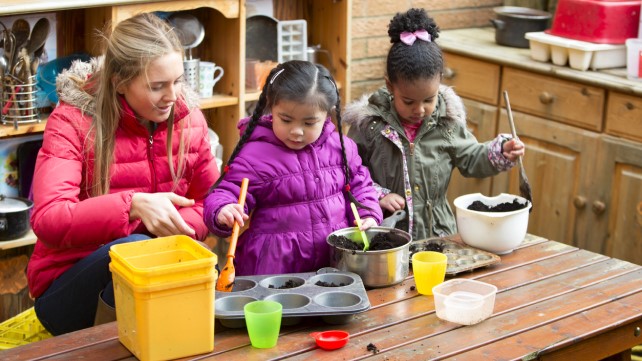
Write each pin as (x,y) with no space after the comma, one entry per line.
(420,171)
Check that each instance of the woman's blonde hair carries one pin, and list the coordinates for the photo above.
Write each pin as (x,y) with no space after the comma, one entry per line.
(132,45)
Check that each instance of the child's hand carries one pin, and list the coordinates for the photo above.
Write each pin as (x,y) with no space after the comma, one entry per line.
(367,223)
(513,149)
(230,213)
(393,202)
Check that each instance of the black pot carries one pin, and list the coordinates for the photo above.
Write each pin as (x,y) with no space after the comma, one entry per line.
(14,217)
(513,22)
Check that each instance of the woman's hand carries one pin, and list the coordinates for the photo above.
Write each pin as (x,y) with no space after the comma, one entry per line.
(392,202)
(367,223)
(158,213)
(230,213)
(513,149)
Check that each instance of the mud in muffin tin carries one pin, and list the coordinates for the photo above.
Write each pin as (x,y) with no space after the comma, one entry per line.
(461,257)
(335,304)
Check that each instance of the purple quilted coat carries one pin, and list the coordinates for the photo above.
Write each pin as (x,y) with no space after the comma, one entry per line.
(296,200)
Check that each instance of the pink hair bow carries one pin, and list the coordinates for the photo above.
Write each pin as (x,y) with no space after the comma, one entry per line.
(409,38)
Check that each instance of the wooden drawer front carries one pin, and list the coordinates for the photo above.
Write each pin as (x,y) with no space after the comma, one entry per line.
(551,98)
(471,78)
(624,116)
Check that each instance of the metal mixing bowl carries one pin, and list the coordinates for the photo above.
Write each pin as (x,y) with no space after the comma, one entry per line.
(376,268)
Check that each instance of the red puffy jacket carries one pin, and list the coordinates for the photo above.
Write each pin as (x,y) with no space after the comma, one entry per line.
(70,224)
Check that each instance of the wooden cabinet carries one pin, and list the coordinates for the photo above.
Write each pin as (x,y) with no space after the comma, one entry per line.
(583,132)
(224,44)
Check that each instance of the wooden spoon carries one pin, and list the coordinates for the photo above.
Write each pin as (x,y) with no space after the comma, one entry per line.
(21,31)
(524,185)
(225,281)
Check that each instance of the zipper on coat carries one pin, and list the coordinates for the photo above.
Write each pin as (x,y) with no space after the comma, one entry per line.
(412,149)
(150,158)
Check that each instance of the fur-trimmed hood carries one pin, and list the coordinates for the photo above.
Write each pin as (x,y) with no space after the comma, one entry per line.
(71,86)
(378,104)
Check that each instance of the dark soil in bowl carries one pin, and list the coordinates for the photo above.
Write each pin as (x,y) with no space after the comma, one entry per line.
(329,284)
(380,242)
(502,207)
(287,284)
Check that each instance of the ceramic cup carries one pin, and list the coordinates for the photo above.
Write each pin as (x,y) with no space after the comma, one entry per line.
(429,269)
(263,321)
(209,74)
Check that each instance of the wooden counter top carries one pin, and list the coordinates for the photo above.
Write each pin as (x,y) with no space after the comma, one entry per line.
(480,43)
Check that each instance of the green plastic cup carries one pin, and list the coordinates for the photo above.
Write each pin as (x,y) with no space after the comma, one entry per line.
(263,321)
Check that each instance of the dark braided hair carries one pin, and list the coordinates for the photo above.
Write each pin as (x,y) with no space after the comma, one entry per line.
(421,60)
(301,82)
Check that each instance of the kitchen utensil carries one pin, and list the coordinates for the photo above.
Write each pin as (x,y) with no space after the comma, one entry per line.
(21,31)
(331,340)
(355,212)
(461,257)
(496,232)
(524,185)
(378,268)
(332,295)
(225,280)
(39,35)
(429,269)
(14,217)
(190,30)
(513,23)
(263,320)
(464,301)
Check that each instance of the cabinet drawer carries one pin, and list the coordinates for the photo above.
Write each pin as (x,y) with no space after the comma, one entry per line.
(624,116)
(473,79)
(551,98)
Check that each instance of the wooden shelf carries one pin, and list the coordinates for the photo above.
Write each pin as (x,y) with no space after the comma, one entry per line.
(218,100)
(28,239)
(7,130)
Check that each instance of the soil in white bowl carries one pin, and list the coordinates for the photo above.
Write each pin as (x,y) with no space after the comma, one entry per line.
(501,207)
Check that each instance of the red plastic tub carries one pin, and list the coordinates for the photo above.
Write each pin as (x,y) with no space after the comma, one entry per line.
(597,21)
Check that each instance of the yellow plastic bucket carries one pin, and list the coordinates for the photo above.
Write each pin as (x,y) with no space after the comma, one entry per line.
(164,293)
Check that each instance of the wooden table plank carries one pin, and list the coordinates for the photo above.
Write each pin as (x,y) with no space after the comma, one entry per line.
(566,332)
(394,316)
(506,324)
(541,285)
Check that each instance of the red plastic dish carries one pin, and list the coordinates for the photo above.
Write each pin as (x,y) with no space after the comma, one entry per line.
(597,21)
(331,340)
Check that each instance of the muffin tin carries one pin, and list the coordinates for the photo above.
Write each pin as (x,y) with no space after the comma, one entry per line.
(335,304)
(461,257)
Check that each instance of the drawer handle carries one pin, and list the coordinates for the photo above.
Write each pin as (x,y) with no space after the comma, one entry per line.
(579,202)
(629,105)
(599,207)
(546,98)
(449,73)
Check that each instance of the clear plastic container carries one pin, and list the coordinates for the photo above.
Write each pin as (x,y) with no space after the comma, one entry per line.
(464,301)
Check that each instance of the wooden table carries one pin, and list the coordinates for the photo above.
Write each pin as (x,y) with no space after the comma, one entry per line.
(554,302)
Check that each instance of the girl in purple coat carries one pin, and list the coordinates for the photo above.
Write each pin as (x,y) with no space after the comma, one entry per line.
(303,176)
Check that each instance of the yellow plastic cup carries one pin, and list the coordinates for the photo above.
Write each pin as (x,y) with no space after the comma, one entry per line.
(263,321)
(429,269)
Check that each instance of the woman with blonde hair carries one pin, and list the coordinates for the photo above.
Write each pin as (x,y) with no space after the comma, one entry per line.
(125,157)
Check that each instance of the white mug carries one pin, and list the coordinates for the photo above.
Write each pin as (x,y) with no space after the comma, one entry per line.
(209,75)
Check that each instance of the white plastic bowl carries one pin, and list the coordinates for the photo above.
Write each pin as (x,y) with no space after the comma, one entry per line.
(496,232)
(464,301)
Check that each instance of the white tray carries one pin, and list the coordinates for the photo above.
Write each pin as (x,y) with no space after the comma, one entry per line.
(580,55)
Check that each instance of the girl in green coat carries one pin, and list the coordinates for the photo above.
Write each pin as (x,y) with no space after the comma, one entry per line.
(412,133)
